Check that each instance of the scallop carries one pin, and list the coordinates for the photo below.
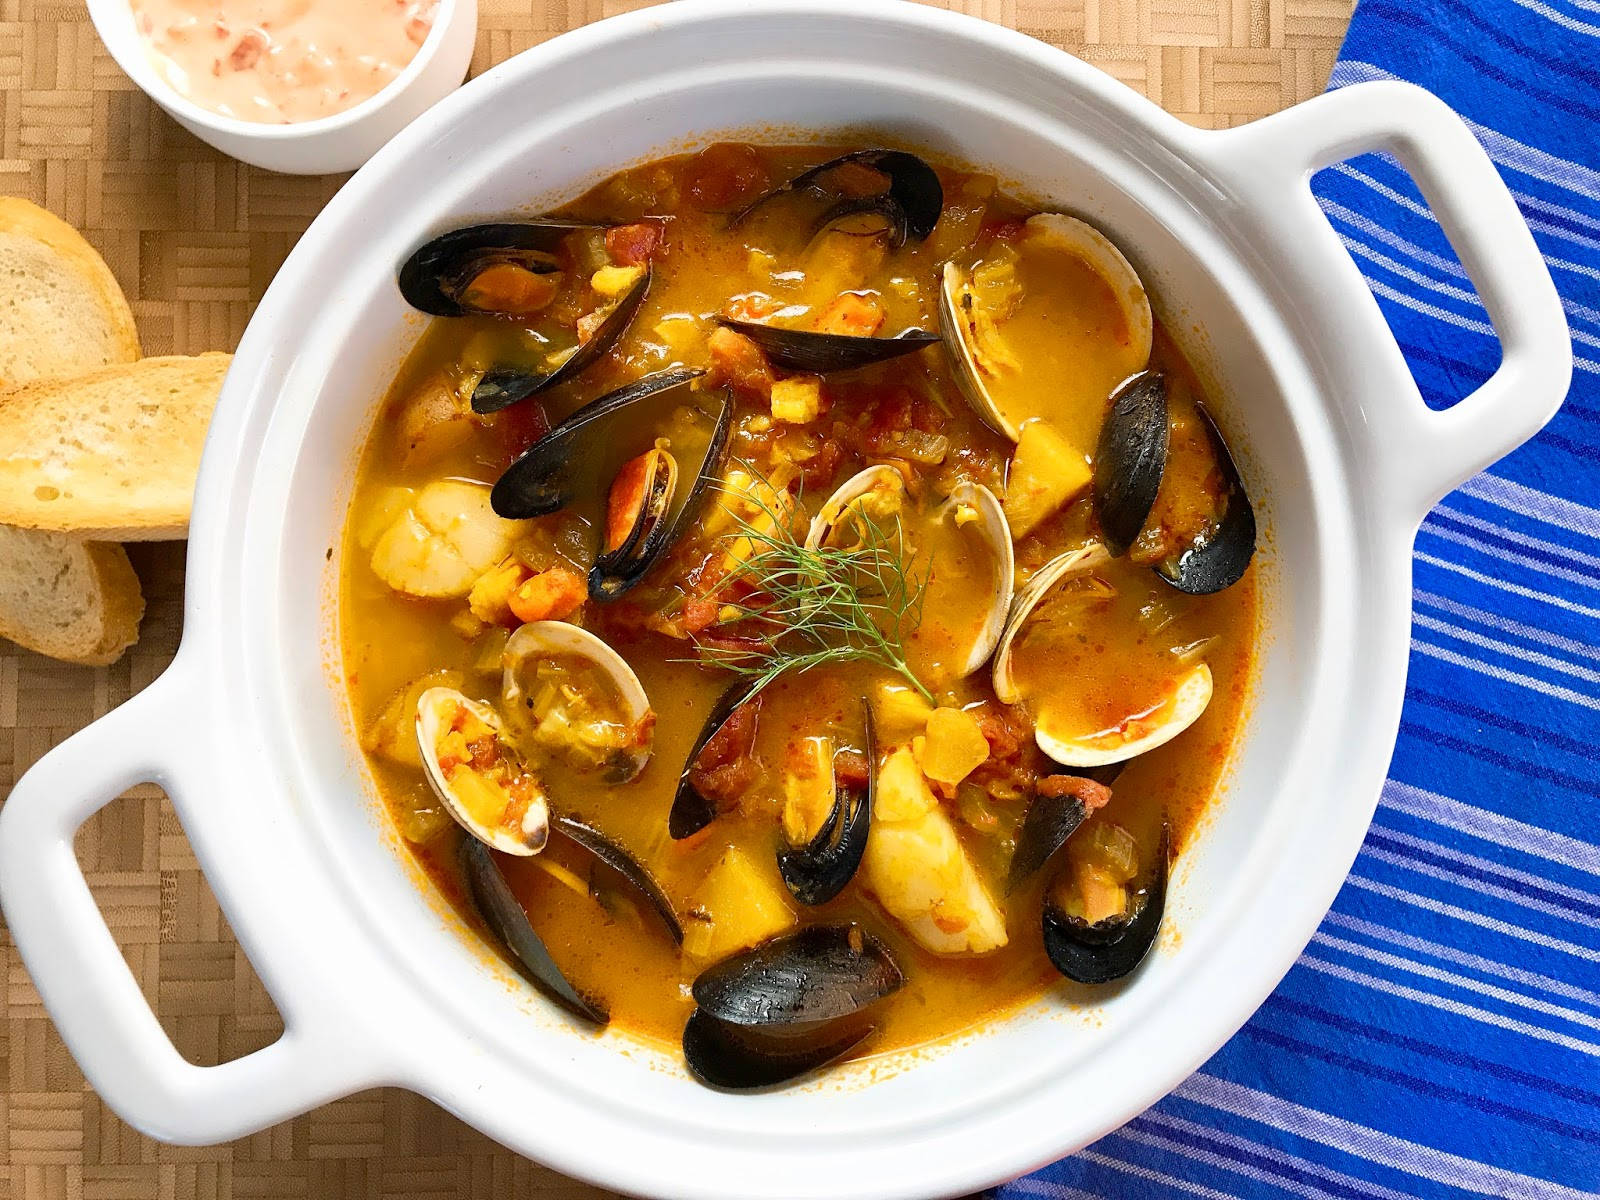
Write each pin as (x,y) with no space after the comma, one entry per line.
(965,314)
(972,506)
(624,744)
(499,802)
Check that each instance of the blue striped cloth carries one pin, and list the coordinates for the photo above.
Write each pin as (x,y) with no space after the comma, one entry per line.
(1440,1036)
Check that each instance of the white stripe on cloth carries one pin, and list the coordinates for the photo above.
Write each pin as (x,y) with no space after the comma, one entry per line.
(1428,903)
(1139,1133)
(1475,962)
(1528,562)
(1504,675)
(1439,975)
(1043,1187)
(1492,827)
(1530,502)
(1555,549)
(1385,1149)
(1520,653)
(1559,18)
(1445,564)
(1488,866)
(1505,624)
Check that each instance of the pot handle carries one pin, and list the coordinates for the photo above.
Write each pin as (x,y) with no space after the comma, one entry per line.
(1427,453)
(80,973)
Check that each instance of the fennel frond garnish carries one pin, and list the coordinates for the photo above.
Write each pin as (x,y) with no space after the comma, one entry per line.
(808,608)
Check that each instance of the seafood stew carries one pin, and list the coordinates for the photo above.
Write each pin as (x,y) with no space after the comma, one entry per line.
(797,603)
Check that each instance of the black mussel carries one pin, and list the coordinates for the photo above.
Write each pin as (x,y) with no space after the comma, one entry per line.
(640,525)
(819,973)
(818,871)
(787,1006)
(1054,815)
(737,1058)
(691,809)
(505,267)
(1130,459)
(607,852)
(501,387)
(499,906)
(909,199)
(542,479)
(1219,556)
(1110,949)
(822,353)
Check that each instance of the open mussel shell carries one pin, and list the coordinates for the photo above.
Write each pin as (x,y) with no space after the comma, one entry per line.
(505,916)
(1050,821)
(1110,949)
(640,523)
(1131,459)
(1219,558)
(1044,231)
(1180,709)
(910,203)
(642,883)
(538,641)
(541,480)
(818,871)
(822,353)
(816,974)
(524,835)
(438,276)
(995,532)
(691,810)
(1074,562)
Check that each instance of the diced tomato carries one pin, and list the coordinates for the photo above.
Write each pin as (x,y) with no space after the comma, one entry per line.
(633,245)
(850,769)
(820,469)
(699,614)
(1001,231)
(851,314)
(519,427)
(1092,795)
(739,362)
(751,306)
(724,177)
(1005,732)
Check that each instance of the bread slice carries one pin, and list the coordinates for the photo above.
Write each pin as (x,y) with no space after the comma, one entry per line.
(72,600)
(111,454)
(61,311)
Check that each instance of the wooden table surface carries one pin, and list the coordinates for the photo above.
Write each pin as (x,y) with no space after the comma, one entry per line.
(194,238)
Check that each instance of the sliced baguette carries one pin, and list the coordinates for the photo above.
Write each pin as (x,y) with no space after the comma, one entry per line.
(72,600)
(61,311)
(111,454)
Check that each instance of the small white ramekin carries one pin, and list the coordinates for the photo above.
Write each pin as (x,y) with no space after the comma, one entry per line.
(341,142)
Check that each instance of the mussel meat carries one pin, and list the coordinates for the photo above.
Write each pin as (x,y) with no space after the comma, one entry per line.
(570,694)
(819,870)
(478,775)
(692,810)
(1111,948)
(787,1006)
(643,518)
(1217,556)
(898,187)
(516,269)
(822,353)
(1017,283)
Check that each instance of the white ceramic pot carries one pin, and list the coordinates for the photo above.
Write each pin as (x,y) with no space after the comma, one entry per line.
(250,733)
(341,142)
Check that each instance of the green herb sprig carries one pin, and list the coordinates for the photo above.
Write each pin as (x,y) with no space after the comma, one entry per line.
(822,606)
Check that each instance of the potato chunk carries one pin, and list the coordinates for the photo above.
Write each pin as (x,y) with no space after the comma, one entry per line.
(1046,472)
(953,747)
(737,905)
(441,544)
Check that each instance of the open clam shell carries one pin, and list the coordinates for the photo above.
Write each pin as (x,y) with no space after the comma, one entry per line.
(1027,599)
(993,530)
(480,802)
(847,495)
(539,641)
(960,309)
(1180,709)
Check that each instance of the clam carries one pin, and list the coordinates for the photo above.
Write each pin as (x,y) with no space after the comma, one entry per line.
(1178,709)
(478,775)
(968,314)
(818,871)
(513,269)
(1107,950)
(494,898)
(849,495)
(989,519)
(906,192)
(645,514)
(548,665)
(787,1006)
(822,353)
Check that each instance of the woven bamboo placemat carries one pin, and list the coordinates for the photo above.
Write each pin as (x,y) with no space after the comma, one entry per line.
(194,238)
